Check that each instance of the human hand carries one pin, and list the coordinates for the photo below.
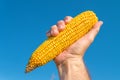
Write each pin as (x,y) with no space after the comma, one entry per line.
(77,49)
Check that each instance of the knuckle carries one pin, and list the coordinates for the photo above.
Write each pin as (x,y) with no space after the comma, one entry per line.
(53,27)
(60,21)
(68,17)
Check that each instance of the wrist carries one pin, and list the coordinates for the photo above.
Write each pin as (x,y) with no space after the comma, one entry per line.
(73,69)
(66,57)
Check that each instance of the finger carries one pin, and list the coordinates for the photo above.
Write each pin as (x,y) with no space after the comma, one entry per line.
(48,34)
(67,19)
(61,25)
(92,33)
(54,30)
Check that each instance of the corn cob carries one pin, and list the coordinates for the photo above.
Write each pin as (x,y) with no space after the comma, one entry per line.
(53,46)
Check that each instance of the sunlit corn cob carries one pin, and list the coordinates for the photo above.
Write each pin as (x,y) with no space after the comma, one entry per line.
(53,46)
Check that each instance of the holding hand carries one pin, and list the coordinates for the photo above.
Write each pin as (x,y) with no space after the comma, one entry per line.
(79,47)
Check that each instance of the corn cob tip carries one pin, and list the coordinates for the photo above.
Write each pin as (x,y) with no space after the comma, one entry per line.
(29,68)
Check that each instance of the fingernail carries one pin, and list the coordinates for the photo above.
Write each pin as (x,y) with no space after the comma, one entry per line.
(61,27)
(54,32)
(67,20)
(101,22)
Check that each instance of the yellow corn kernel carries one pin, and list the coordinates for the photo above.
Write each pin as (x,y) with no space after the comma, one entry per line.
(53,46)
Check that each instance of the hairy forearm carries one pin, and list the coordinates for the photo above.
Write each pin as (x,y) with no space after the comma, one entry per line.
(73,69)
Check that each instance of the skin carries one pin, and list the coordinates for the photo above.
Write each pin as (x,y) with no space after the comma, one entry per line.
(70,62)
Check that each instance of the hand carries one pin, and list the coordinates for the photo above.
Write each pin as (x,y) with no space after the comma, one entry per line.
(77,49)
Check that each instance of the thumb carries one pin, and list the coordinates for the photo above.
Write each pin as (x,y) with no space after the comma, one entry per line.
(94,31)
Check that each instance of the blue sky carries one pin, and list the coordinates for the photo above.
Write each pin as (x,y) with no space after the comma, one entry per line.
(23,24)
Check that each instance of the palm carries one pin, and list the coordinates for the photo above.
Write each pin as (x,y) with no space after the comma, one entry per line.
(77,49)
